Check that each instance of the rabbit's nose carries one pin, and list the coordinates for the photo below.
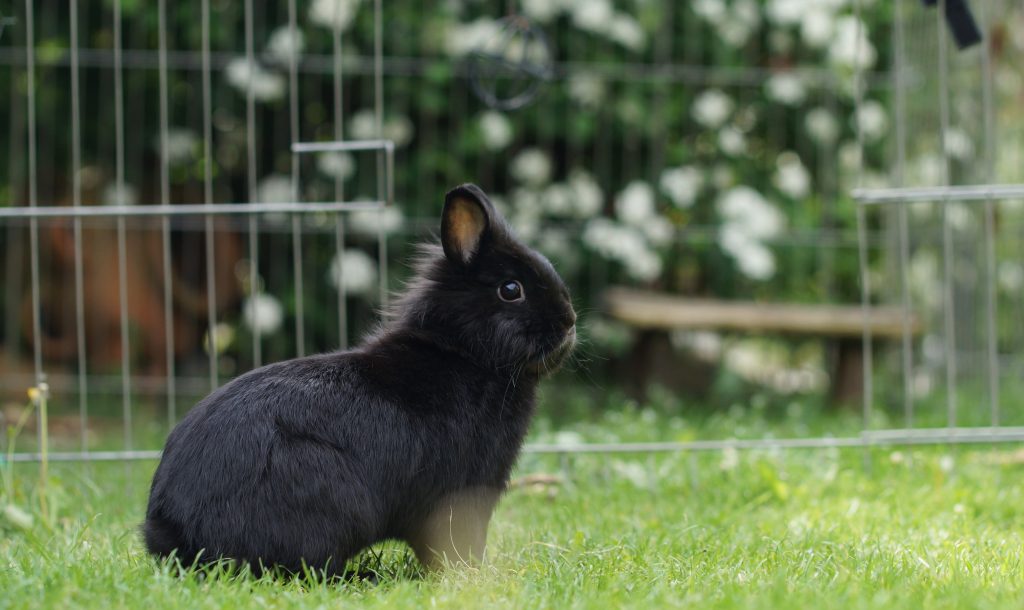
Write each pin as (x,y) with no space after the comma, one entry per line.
(570,319)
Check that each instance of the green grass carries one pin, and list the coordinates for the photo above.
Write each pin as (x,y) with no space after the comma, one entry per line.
(933,527)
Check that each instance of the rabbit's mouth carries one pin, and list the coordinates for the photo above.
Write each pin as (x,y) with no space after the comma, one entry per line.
(551,361)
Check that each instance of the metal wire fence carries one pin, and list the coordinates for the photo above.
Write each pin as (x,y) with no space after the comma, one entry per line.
(122,305)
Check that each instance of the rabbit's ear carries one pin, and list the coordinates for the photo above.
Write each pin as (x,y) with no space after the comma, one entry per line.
(465,222)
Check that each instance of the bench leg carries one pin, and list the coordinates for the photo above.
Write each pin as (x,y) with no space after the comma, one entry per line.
(848,373)
(653,360)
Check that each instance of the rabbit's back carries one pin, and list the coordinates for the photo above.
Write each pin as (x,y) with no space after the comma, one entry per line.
(269,466)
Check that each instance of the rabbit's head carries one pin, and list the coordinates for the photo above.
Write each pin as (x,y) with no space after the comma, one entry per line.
(486,294)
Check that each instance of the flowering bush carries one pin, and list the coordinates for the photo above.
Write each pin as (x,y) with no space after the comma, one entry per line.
(679,145)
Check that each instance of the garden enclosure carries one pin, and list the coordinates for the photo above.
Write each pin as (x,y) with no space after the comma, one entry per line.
(167,223)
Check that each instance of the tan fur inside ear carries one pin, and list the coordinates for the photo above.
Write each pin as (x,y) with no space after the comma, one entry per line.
(465,227)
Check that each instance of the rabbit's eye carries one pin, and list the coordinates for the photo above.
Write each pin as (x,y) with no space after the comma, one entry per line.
(510,291)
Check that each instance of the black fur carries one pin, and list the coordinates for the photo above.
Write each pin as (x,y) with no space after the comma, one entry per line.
(312,459)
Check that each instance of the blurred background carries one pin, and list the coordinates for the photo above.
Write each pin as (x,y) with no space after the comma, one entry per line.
(698,152)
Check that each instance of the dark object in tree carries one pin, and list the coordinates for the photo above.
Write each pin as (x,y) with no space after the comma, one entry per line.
(509,71)
(410,436)
(960,21)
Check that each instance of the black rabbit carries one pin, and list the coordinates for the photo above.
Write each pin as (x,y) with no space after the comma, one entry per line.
(411,436)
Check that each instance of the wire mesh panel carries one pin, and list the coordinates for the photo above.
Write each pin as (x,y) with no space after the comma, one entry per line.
(166,228)
(953,226)
(147,284)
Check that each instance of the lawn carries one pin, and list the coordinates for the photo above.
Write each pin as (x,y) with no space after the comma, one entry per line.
(938,527)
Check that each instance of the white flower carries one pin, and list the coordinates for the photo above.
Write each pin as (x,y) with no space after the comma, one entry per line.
(531,167)
(791,177)
(283,46)
(1010,276)
(710,10)
(850,46)
(816,27)
(598,235)
(363,126)
(821,126)
(635,204)
(568,438)
(398,129)
(959,216)
(275,188)
(612,240)
(947,463)
(659,230)
(872,120)
(627,32)
(748,219)
(737,27)
(751,212)
(371,222)
(747,11)
(706,344)
(587,195)
(633,472)
(526,225)
(735,32)
(731,141)
(466,37)
(786,88)
(526,202)
(181,145)
(712,108)
(958,144)
(645,265)
(592,15)
(730,459)
(786,12)
(496,130)
(923,280)
(354,271)
(263,313)
(922,384)
(542,11)
(333,14)
(586,89)
(123,195)
(556,243)
(557,200)
(929,169)
(933,350)
(338,165)
(753,259)
(682,185)
(850,156)
(624,244)
(267,86)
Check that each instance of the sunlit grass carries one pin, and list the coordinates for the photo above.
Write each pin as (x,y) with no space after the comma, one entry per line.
(928,527)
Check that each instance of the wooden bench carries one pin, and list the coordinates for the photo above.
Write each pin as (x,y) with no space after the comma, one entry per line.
(652,311)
